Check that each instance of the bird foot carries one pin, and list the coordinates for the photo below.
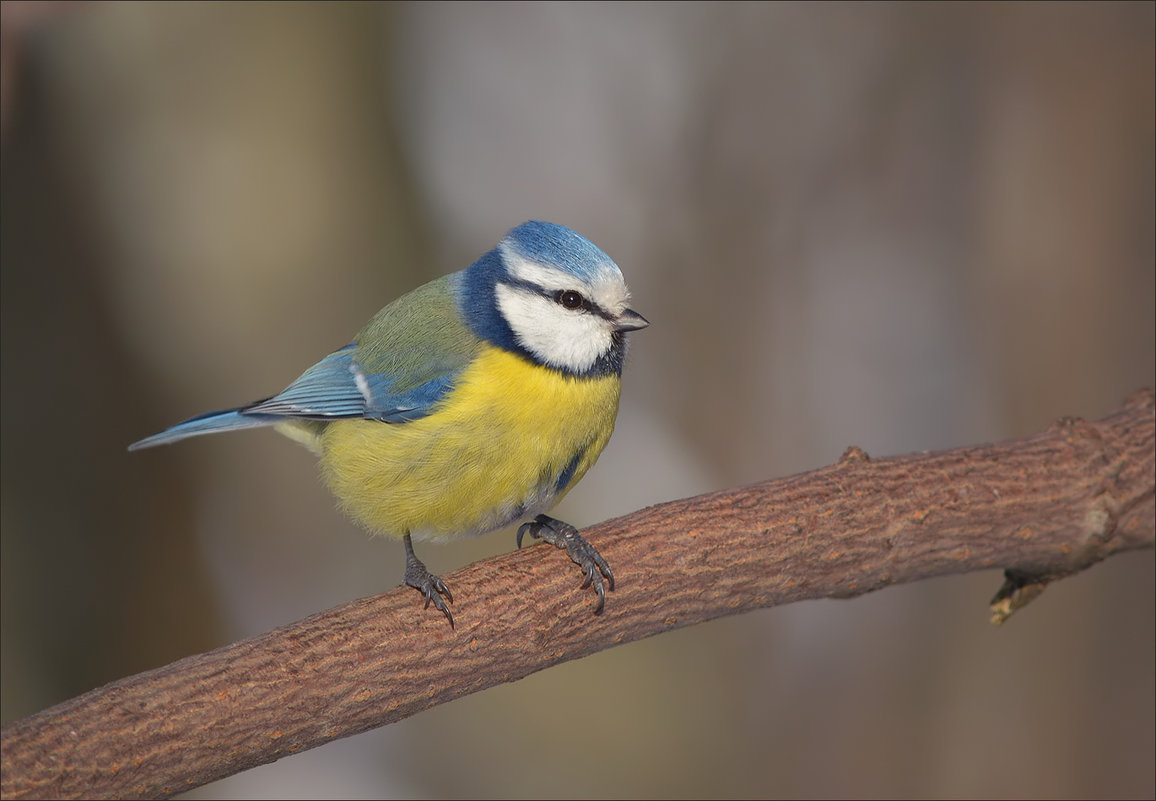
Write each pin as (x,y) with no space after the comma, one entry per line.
(429,585)
(586,556)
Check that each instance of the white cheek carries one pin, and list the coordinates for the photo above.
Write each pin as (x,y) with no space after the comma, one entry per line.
(559,337)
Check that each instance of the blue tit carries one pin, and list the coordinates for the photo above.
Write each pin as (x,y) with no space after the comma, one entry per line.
(469,404)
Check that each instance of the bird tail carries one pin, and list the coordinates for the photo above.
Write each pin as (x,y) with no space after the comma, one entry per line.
(210,423)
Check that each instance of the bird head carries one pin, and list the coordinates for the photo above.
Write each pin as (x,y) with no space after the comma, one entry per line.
(551,295)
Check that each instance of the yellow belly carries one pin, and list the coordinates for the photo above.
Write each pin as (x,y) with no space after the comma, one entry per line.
(491,454)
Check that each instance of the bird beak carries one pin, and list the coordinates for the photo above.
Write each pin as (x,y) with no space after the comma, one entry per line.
(630,320)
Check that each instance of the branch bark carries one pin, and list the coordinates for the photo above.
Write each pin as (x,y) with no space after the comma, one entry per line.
(1040,508)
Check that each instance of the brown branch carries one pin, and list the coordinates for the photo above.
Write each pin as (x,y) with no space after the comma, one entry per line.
(1041,508)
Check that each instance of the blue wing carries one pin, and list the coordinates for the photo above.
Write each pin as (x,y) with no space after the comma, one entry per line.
(340,387)
(396,370)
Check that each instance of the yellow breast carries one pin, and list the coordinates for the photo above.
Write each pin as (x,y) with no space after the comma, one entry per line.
(495,450)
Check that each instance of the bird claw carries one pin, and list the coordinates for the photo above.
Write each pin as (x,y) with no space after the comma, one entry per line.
(429,585)
(586,556)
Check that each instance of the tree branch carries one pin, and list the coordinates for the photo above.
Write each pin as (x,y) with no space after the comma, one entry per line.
(1041,508)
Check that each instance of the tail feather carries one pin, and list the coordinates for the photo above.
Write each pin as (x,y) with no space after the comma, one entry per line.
(210,423)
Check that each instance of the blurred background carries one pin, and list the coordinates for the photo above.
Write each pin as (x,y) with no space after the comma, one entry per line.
(904,227)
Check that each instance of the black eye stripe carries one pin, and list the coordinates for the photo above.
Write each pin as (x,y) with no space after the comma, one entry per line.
(554,295)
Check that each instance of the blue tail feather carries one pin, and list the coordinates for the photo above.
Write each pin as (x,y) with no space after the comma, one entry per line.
(209,423)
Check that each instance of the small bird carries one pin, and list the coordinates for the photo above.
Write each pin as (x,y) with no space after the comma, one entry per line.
(473,402)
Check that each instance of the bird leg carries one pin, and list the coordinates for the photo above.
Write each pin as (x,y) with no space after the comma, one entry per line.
(429,585)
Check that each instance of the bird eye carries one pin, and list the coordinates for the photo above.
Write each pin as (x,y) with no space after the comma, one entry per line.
(569,299)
